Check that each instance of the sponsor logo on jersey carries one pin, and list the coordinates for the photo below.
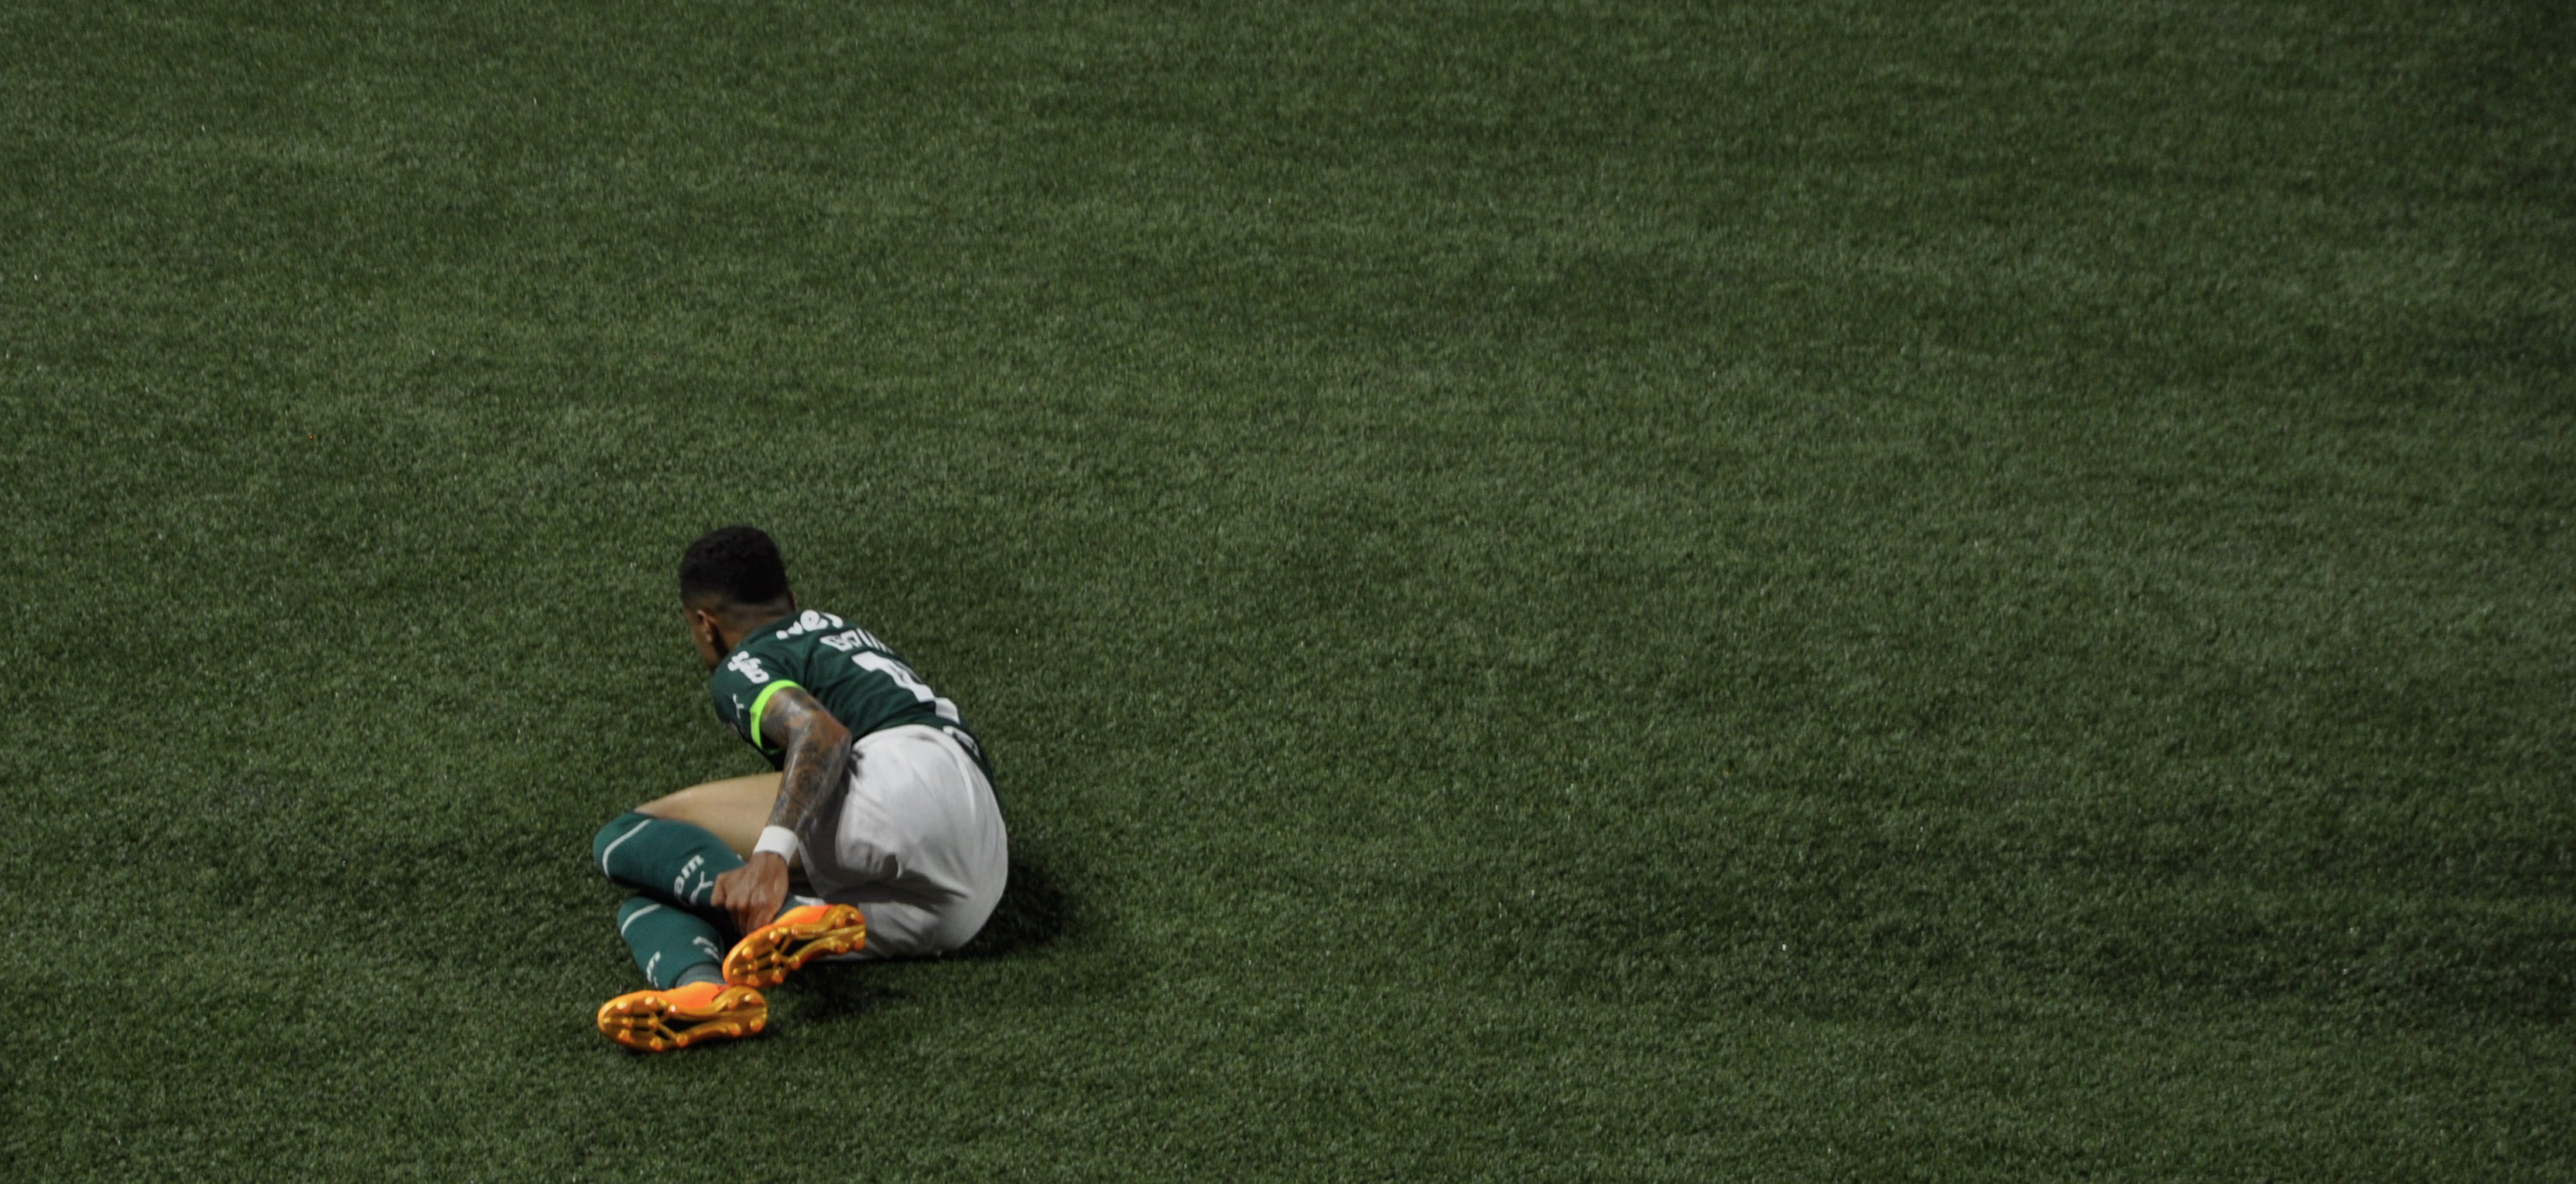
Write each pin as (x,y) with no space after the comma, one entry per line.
(748,667)
(809,621)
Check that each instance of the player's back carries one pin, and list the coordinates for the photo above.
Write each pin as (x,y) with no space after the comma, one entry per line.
(853,673)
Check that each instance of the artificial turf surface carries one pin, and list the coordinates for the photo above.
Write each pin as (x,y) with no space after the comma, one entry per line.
(1559,591)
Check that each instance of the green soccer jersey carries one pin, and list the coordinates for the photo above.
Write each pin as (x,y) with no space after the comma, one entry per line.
(859,679)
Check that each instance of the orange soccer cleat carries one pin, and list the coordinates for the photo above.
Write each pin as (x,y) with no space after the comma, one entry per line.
(801,934)
(655,1021)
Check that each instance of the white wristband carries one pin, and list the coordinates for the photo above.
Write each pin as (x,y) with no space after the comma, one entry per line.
(778,841)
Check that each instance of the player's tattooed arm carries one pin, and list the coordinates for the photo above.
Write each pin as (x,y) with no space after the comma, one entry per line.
(817,766)
(818,757)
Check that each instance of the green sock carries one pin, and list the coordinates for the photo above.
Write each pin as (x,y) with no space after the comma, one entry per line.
(675,863)
(672,946)
(677,936)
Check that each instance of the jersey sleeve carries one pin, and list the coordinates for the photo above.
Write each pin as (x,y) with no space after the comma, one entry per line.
(741,688)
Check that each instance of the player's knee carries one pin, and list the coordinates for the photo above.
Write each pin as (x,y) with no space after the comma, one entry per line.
(618,830)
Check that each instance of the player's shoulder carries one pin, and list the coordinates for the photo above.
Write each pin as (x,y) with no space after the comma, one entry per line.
(792,643)
(772,651)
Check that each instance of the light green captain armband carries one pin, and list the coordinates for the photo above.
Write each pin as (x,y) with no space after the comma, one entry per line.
(761,702)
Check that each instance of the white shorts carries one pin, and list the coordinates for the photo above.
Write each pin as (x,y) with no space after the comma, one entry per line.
(918,848)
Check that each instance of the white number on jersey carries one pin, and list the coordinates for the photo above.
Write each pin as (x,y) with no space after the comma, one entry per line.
(905,678)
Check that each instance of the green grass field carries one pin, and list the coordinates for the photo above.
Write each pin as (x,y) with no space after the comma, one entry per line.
(1559,591)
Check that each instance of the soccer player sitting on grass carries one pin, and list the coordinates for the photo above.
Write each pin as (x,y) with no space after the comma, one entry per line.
(882,799)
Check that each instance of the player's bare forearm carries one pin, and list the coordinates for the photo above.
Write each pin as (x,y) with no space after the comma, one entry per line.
(816,766)
(818,759)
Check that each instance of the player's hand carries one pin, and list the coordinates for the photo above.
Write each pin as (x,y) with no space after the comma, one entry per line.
(752,893)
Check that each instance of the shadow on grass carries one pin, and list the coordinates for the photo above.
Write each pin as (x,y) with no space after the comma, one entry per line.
(841,991)
(1035,911)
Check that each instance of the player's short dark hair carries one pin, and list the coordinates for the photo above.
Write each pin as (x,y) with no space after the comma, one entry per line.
(733,565)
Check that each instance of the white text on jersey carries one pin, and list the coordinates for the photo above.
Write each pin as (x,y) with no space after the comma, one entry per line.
(855,639)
